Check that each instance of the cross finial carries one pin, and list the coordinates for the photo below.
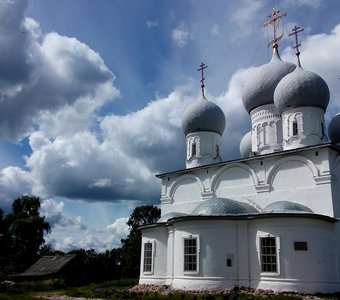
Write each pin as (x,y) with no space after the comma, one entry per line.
(295,32)
(274,18)
(201,68)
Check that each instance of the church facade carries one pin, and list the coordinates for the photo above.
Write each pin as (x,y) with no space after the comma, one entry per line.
(269,220)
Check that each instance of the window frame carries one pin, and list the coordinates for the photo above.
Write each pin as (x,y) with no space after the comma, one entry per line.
(194,149)
(197,256)
(295,128)
(151,258)
(277,254)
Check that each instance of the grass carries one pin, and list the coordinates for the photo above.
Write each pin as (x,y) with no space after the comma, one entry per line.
(119,290)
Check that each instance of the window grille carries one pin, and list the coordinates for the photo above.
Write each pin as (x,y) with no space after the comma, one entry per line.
(147,266)
(190,254)
(268,254)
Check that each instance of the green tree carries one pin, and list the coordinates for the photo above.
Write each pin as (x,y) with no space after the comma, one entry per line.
(25,232)
(131,246)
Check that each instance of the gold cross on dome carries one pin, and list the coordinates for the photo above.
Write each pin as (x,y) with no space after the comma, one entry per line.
(273,22)
(201,68)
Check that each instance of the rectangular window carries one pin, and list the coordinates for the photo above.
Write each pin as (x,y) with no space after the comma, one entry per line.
(193,149)
(268,255)
(147,266)
(300,246)
(190,255)
(295,128)
(217,150)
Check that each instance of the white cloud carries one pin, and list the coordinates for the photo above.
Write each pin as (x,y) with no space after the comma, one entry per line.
(311,3)
(180,37)
(14,182)
(246,16)
(152,23)
(119,227)
(47,74)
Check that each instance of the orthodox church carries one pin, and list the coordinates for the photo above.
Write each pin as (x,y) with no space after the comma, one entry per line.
(269,220)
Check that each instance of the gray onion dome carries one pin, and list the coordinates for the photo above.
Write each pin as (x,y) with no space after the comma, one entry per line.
(301,88)
(203,115)
(245,145)
(259,88)
(334,129)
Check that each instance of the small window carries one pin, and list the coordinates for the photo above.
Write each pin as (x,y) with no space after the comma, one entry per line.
(322,130)
(190,254)
(268,254)
(295,128)
(193,149)
(229,262)
(217,150)
(147,266)
(300,246)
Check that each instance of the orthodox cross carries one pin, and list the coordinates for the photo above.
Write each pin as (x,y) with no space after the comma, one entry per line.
(274,18)
(295,32)
(201,68)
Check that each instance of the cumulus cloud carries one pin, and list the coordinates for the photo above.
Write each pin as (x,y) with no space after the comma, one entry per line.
(54,214)
(246,16)
(119,228)
(180,37)
(42,74)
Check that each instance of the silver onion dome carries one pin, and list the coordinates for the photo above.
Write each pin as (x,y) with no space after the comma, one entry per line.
(301,88)
(259,87)
(203,115)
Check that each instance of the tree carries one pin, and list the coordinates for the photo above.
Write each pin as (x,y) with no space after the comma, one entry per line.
(25,232)
(131,246)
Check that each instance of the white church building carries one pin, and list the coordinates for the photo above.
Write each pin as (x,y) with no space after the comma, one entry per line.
(269,220)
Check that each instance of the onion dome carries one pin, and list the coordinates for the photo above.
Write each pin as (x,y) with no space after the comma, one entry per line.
(334,129)
(245,145)
(203,115)
(301,88)
(286,207)
(259,88)
(222,207)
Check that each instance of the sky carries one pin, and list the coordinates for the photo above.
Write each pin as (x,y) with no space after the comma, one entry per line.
(92,95)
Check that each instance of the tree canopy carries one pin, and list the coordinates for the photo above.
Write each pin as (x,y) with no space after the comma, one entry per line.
(22,231)
(131,246)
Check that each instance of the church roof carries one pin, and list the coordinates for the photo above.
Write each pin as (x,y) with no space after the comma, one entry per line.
(286,207)
(170,215)
(223,206)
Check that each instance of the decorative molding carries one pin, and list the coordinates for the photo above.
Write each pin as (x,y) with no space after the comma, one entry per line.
(323,179)
(208,195)
(166,200)
(263,188)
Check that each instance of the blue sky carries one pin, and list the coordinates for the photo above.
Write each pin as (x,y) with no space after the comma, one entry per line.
(92,95)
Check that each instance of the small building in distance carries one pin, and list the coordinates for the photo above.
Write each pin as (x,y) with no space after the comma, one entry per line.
(269,220)
(53,266)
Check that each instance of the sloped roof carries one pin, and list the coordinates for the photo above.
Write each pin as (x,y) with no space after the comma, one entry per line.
(49,264)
